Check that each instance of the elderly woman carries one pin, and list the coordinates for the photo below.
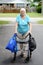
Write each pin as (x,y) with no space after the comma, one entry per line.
(23,28)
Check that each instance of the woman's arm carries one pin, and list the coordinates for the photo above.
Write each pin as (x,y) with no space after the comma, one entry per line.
(16,25)
(29,31)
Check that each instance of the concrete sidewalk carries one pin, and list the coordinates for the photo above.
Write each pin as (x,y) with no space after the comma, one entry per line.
(12,19)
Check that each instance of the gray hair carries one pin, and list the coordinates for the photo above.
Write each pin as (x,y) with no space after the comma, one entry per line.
(23,9)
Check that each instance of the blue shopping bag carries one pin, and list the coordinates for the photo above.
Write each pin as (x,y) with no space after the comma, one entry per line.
(12,44)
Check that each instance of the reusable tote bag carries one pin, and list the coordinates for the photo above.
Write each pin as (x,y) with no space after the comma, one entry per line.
(12,44)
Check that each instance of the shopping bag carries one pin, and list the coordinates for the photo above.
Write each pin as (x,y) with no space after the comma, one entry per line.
(12,44)
(32,43)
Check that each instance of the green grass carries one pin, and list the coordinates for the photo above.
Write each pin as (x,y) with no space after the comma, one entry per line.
(15,14)
(4,22)
(8,14)
(40,22)
(35,14)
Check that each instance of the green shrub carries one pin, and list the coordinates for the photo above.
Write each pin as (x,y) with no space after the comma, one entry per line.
(38,9)
(32,5)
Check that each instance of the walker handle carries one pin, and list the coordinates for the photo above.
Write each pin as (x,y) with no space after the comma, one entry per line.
(25,37)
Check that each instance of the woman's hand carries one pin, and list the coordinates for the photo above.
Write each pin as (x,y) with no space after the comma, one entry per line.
(19,36)
(24,36)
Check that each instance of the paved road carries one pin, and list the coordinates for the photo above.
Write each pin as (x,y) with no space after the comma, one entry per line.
(5,56)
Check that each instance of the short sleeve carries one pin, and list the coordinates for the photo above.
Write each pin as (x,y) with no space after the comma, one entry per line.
(17,19)
(28,19)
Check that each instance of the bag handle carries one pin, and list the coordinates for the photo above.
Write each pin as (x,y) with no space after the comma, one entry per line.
(29,35)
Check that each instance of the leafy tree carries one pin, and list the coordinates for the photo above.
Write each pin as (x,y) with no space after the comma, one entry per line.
(34,0)
(37,0)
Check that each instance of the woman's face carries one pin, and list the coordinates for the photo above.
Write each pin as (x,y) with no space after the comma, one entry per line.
(22,13)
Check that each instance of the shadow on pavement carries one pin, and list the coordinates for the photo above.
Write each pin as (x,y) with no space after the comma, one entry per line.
(18,61)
